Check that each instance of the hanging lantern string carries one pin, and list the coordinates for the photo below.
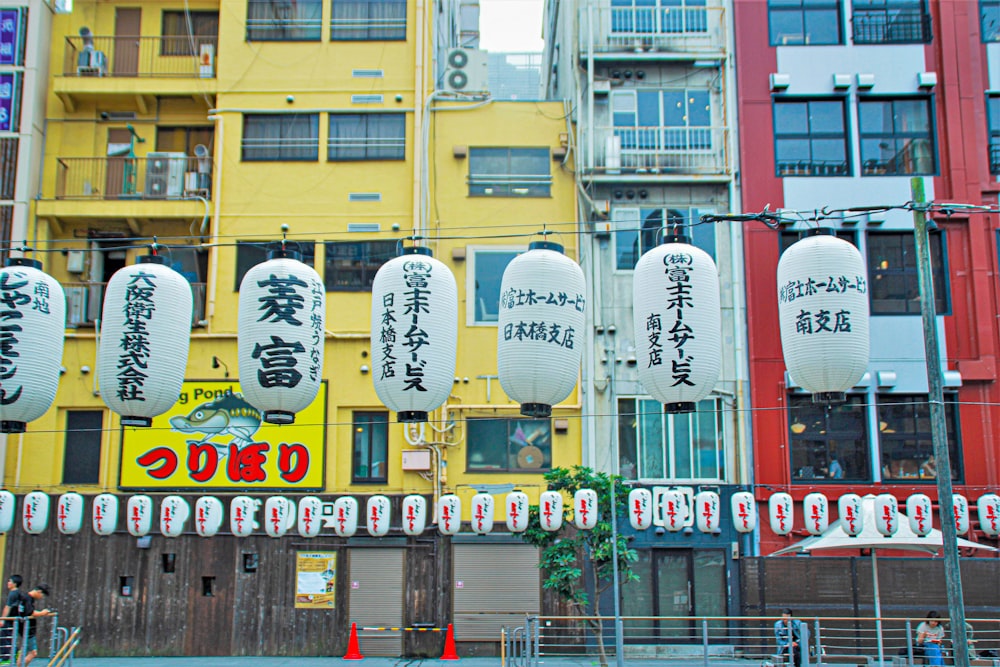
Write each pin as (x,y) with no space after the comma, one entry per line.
(154,248)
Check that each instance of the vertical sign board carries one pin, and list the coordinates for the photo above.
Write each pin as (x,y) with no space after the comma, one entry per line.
(315,579)
(10,36)
(10,96)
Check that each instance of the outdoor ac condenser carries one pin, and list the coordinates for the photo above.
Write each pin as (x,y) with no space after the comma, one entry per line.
(165,174)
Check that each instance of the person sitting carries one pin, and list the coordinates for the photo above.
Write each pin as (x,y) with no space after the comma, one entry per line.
(787,635)
(930,635)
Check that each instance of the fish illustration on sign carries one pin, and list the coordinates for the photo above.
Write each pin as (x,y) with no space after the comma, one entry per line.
(230,415)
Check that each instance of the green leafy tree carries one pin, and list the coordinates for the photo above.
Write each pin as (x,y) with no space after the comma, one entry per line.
(577,560)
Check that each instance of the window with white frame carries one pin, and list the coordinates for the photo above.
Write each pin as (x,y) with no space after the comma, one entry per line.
(663,120)
(486,265)
(284,20)
(644,17)
(368,20)
(640,229)
(509,172)
(367,136)
(656,445)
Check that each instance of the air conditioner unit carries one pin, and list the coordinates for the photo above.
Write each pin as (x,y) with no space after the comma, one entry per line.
(91,62)
(76,306)
(466,71)
(165,174)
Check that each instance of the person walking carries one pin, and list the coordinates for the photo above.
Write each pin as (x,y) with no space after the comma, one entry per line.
(930,635)
(7,626)
(26,610)
(788,636)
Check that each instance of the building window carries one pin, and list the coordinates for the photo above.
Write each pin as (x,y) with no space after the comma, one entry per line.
(351,266)
(509,172)
(904,423)
(810,138)
(82,454)
(896,136)
(486,267)
(989,11)
(798,22)
(284,20)
(650,17)
(993,111)
(368,20)
(659,121)
(367,136)
(891,22)
(655,445)
(8,175)
(251,253)
(829,442)
(370,454)
(183,38)
(892,273)
(14,27)
(508,445)
(638,230)
(281,137)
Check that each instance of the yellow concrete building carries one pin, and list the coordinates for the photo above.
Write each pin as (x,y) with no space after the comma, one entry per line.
(205,127)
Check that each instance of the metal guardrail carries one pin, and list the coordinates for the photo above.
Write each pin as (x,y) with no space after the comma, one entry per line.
(995,155)
(62,640)
(85,301)
(891,26)
(661,150)
(167,57)
(676,29)
(170,176)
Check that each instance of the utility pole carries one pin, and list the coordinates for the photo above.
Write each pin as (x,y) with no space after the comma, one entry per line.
(939,431)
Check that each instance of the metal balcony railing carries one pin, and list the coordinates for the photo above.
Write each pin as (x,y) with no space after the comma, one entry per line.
(813,168)
(661,150)
(891,26)
(677,29)
(166,176)
(995,155)
(85,301)
(166,57)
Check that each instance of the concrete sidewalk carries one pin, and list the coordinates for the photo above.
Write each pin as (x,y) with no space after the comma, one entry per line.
(285,661)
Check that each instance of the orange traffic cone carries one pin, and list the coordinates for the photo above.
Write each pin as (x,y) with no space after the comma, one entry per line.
(449,645)
(353,650)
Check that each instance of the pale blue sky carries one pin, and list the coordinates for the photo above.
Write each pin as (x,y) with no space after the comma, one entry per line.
(510,25)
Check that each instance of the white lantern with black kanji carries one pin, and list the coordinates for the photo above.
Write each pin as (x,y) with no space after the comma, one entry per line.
(69,513)
(378,515)
(852,519)
(208,512)
(886,514)
(744,509)
(278,515)
(139,515)
(920,513)
(105,514)
(988,506)
(8,511)
(706,511)
(816,513)
(33,313)
(550,511)
(678,323)
(281,335)
(145,336)
(35,513)
(483,511)
(781,511)
(823,314)
(449,514)
(516,503)
(961,506)
(640,508)
(310,511)
(174,513)
(243,516)
(345,516)
(540,330)
(414,334)
(414,514)
(585,509)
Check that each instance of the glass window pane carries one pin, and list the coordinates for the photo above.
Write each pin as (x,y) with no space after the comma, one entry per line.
(791,118)
(826,116)
(786,27)
(911,116)
(822,26)
(651,440)
(907,451)
(627,439)
(82,451)
(489,270)
(682,445)
(874,117)
(829,442)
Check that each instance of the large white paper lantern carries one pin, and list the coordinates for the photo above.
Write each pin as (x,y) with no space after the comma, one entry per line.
(744,509)
(550,511)
(281,335)
(105,514)
(852,519)
(823,314)
(585,509)
(69,513)
(208,515)
(961,506)
(345,516)
(243,516)
(310,511)
(414,514)
(675,510)
(449,514)
(816,513)
(678,323)
(988,506)
(33,316)
(378,515)
(540,329)
(414,334)
(8,511)
(174,513)
(145,336)
(35,513)
(781,512)
(516,503)
(483,512)
(139,515)
(920,512)
(886,514)
(278,512)
(707,511)
(640,508)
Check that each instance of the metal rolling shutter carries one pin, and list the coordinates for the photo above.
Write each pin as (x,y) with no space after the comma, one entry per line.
(378,599)
(500,585)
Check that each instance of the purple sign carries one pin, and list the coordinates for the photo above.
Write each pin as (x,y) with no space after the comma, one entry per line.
(10,36)
(9,94)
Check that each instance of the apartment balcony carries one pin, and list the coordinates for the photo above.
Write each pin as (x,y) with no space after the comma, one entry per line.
(85,301)
(658,154)
(136,69)
(652,33)
(995,156)
(891,26)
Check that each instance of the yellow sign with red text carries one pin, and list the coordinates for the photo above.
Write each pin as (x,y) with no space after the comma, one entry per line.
(212,438)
